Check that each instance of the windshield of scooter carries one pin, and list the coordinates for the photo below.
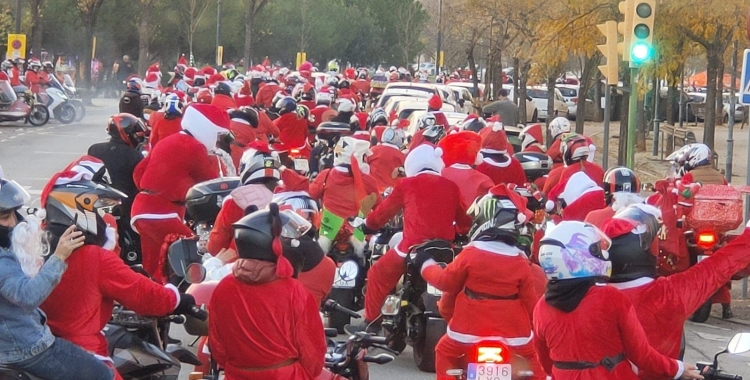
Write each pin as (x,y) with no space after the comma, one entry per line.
(7,95)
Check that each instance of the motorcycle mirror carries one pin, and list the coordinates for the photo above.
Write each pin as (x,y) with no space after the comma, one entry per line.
(647,187)
(195,273)
(740,343)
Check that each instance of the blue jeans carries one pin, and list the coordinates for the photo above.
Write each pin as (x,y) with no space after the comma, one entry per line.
(64,360)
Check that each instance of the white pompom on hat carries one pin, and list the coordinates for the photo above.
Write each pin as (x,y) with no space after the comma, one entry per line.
(425,157)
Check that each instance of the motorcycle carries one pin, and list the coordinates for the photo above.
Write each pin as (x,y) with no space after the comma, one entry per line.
(411,315)
(57,102)
(492,360)
(740,343)
(74,98)
(349,281)
(203,203)
(13,108)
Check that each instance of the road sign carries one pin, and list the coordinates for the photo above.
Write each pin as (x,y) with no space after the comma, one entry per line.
(745,90)
(16,46)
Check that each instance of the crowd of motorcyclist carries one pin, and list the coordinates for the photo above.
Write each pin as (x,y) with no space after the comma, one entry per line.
(540,292)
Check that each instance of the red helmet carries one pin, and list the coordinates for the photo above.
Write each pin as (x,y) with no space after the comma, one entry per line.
(576,148)
(204,96)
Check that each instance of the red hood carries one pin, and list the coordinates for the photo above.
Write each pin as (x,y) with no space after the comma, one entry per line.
(243,133)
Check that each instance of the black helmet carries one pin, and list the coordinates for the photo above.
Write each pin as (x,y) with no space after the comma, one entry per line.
(286,105)
(223,89)
(255,235)
(12,197)
(620,179)
(203,201)
(86,202)
(434,133)
(494,219)
(344,83)
(630,253)
(126,128)
(474,125)
(246,115)
(260,167)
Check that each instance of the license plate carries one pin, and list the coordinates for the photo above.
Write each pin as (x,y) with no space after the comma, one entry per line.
(346,275)
(489,371)
(302,165)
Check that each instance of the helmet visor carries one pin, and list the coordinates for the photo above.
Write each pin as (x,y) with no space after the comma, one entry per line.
(295,226)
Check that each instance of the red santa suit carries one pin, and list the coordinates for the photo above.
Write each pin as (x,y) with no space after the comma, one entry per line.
(555,150)
(167,173)
(495,142)
(162,127)
(422,166)
(385,158)
(36,81)
(265,95)
(604,324)
(581,196)
(460,151)
(244,98)
(224,102)
(281,333)
(592,169)
(335,188)
(320,114)
(532,139)
(361,86)
(15,76)
(664,304)
(293,133)
(620,200)
(241,126)
(266,127)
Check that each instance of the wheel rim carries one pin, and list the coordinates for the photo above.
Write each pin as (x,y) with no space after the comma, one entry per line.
(38,115)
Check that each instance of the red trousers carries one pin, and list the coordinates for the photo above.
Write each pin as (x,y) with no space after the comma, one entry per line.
(153,232)
(381,279)
(723,295)
(450,354)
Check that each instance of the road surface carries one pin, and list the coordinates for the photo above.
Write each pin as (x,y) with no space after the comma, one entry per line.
(30,155)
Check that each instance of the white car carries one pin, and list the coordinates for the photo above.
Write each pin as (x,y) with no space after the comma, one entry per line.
(454,118)
(465,99)
(570,94)
(430,88)
(700,97)
(405,109)
(539,96)
(470,86)
(532,114)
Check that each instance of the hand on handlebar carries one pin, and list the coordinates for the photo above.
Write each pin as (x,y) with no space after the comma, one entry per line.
(691,373)
(187,307)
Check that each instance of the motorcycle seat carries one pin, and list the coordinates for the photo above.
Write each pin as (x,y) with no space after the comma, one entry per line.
(11,373)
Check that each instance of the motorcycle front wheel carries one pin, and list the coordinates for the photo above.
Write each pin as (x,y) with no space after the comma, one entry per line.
(66,113)
(39,115)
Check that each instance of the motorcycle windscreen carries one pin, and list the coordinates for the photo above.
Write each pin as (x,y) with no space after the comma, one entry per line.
(7,94)
(135,358)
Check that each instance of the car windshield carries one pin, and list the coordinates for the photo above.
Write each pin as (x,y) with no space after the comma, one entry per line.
(568,92)
(537,94)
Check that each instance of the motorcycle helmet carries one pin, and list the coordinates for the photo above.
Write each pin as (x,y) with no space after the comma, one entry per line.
(18,61)
(633,230)
(222,88)
(558,126)
(232,73)
(6,65)
(620,179)
(204,96)
(377,117)
(426,120)
(574,249)
(126,128)
(134,85)
(324,98)
(173,105)
(434,134)
(258,237)
(12,197)
(495,218)
(697,155)
(575,149)
(474,124)
(345,105)
(35,65)
(393,136)
(260,167)
(245,115)
(85,203)
(48,65)
(286,105)
(344,84)
(299,202)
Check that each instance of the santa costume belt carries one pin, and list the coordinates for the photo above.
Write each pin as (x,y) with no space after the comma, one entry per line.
(484,296)
(285,363)
(608,363)
(150,192)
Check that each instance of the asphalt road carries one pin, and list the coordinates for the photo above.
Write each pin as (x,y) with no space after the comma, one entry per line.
(30,155)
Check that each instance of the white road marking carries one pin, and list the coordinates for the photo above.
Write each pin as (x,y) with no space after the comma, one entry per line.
(70,153)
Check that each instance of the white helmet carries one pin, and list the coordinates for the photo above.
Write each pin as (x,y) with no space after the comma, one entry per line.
(345,105)
(559,126)
(574,249)
(697,155)
(348,148)
(426,120)
(393,136)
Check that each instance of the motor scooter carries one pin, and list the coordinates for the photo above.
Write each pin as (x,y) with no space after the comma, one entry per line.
(57,102)
(23,108)
(74,97)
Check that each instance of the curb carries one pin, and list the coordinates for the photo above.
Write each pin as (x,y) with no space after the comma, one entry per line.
(735,321)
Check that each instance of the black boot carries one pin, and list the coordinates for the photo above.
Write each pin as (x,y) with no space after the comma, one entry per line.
(726,311)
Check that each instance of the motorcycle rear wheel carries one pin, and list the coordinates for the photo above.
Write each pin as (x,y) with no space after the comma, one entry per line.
(39,115)
(424,349)
(66,113)
(701,315)
(345,298)
(80,109)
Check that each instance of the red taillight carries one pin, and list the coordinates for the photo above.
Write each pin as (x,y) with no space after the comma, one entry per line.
(575,100)
(493,352)
(707,240)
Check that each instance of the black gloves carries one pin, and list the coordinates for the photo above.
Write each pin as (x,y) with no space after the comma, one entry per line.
(186,302)
(421,257)
(367,230)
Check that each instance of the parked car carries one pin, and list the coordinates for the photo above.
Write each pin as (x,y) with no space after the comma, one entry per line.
(429,88)
(539,95)
(405,109)
(532,113)
(570,94)
(738,113)
(465,99)
(383,100)
(470,86)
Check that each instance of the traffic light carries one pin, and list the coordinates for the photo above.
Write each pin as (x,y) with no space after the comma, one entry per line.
(625,28)
(642,47)
(609,49)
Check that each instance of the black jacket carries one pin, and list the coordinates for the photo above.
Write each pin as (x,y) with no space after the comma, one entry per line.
(120,160)
(132,103)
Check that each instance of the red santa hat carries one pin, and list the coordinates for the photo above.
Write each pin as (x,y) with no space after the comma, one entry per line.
(531,134)
(182,60)
(350,73)
(461,148)
(494,139)
(215,79)
(471,117)
(85,168)
(580,193)
(190,73)
(403,123)
(507,191)
(291,181)
(207,71)
(155,68)
(306,66)
(205,123)
(621,225)
(151,80)
(425,157)
(435,103)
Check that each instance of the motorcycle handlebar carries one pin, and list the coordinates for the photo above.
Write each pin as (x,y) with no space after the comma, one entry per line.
(331,305)
(197,312)
(728,377)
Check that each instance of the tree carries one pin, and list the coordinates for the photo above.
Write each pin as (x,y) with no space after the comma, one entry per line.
(37,25)
(253,8)
(410,20)
(88,11)
(190,16)
(146,8)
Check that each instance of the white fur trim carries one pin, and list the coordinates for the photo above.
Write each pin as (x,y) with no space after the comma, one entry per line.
(438,152)
(111,239)
(680,369)
(172,215)
(426,264)
(391,146)
(496,247)
(470,339)
(632,283)
(461,166)
(497,126)
(478,160)
(494,151)
(621,200)
(176,294)
(549,206)
(494,163)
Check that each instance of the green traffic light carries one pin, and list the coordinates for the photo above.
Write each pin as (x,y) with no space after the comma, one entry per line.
(641,52)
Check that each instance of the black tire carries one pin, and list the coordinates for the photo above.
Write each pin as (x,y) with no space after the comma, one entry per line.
(39,115)
(701,315)
(66,113)
(396,343)
(345,298)
(535,117)
(80,109)
(424,349)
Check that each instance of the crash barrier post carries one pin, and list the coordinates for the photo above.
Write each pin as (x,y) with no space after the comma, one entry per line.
(699,111)
(674,137)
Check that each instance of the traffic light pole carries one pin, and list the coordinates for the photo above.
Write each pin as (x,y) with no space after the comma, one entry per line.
(632,118)
(607,117)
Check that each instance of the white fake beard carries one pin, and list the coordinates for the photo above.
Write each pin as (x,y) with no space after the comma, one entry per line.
(29,242)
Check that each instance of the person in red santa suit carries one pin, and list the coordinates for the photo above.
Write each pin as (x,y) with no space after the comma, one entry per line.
(378,123)
(490,274)
(345,191)
(422,194)
(306,95)
(460,152)
(243,97)
(435,106)
(426,121)
(663,304)
(243,123)
(165,175)
(259,175)
(532,139)
(575,258)
(223,97)
(322,111)
(272,329)
(498,163)
(362,84)
(560,127)
(358,124)
(81,304)
(293,129)
(168,121)
(576,150)
(621,187)
(387,158)
(579,195)
(345,92)
(266,94)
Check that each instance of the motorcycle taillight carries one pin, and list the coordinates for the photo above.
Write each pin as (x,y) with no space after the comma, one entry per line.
(491,352)
(706,239)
